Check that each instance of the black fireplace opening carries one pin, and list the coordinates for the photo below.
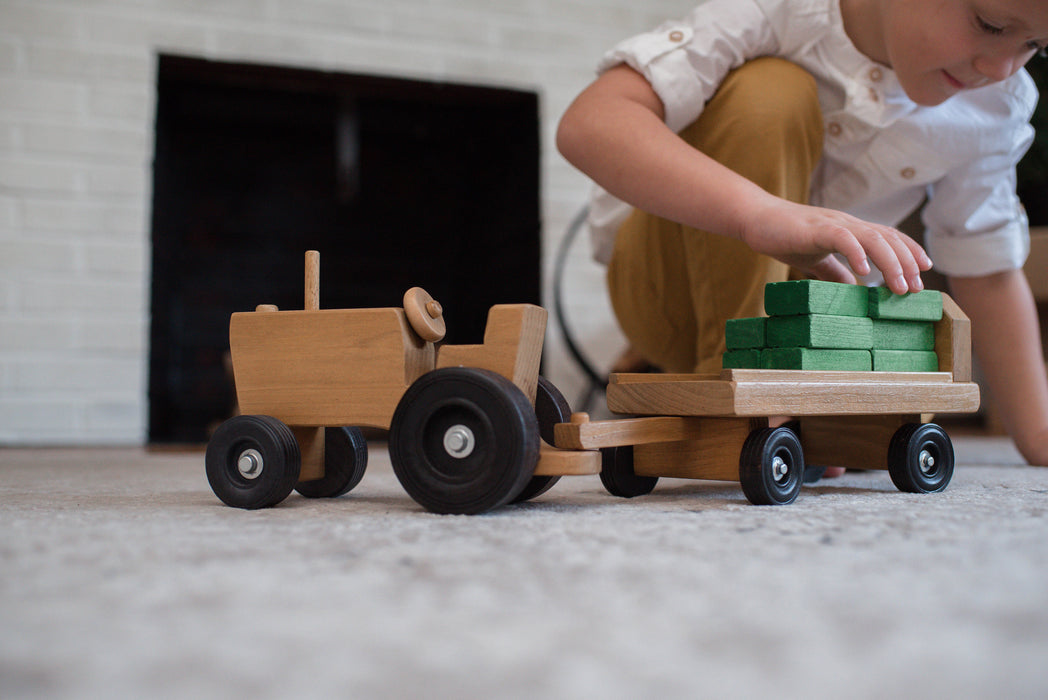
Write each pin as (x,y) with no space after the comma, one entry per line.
(397,183)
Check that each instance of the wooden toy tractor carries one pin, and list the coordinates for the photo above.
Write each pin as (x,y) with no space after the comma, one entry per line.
(465,422)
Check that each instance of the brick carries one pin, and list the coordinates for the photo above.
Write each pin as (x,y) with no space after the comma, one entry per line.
(120,101)
(44,96)
(68,372)
(34,19)
(127,336)
(10,57)
(741,359)
(889,334)
(9,213)
(809,359)
(185,37)
(25,257)
(89,63)
(329,16)
(741,333)
(820,331)
(48,295)
(84,216)
(798,297)
(916,306)
(113,144)
(905,361)
(28,418)
(26,174)
(128,262)
(132,180)
(121,421)
(34,334)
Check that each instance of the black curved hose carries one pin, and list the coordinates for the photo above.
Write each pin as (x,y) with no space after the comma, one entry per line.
(597,380)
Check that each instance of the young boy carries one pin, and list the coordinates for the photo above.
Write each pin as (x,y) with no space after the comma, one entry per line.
(759,135)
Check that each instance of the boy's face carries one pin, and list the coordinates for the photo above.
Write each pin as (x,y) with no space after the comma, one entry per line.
(941,47)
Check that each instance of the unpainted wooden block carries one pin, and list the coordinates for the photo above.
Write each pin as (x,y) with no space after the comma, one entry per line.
(816,359)
(889,334)
(820,331)
(916,306)
(742,359)
(743,333)
(798,297)
(905,361)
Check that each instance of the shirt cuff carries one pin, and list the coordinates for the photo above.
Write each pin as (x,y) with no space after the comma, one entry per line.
(977,256)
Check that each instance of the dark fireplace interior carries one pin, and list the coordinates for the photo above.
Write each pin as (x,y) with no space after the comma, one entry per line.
(396,182)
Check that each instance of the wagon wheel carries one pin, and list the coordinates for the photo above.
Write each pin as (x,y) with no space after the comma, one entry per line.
(617,475)
(551,408)
(345,459)
(771,466)
(252,462)
(463,440)
(920,458)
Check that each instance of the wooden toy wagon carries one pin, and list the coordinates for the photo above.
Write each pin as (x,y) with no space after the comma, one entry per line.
(474,427)
(717,427)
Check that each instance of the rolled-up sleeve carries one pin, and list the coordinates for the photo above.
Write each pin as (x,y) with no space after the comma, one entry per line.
(974,222)
(685,61)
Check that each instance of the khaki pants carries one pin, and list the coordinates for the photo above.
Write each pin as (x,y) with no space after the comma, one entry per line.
(673,287)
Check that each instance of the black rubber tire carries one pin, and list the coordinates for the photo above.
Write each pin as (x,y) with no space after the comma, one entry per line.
(504,432)
(905,463)
(551,408)
(274,445)
(345,460)
(757,466)
(618,477)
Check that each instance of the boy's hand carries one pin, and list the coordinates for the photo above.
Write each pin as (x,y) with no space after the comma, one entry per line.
(806,237)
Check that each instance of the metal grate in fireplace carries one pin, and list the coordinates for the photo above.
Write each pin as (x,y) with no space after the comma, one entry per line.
(397,182)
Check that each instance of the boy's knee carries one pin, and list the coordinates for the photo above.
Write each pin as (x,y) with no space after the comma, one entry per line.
(764,123)
(773,90)
(768,98)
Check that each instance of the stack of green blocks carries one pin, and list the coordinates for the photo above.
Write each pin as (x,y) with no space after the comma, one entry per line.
(817,325)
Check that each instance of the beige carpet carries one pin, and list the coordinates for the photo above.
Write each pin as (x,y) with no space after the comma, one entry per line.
(121,575)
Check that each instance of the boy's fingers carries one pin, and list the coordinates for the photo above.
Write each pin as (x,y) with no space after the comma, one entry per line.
(830,269)
(896,261)
(844,242)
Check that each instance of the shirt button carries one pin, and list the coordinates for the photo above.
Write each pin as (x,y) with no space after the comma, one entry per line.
(876,75)
(676,36)
(908,173)
(874,95)
(834,129)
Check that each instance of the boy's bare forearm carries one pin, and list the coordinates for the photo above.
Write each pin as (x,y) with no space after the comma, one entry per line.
(615,134)
(1007,341)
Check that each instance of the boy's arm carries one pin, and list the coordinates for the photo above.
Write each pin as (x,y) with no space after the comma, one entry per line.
(614,132)
(1007,340)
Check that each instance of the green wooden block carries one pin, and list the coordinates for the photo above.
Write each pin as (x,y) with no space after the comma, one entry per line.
(905,361)
(742,359)
(917,306)
(889,334)
(741,333)
(807,358)
(820,331)
(798,297)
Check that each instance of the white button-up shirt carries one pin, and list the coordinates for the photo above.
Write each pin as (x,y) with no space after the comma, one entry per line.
(883,154)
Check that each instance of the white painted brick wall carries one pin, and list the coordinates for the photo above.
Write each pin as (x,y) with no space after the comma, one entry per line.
(77,92)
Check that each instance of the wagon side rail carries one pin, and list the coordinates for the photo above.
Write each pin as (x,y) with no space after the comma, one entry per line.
(953,341)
